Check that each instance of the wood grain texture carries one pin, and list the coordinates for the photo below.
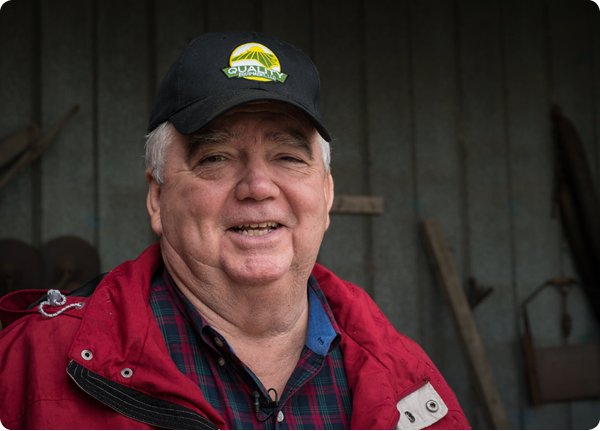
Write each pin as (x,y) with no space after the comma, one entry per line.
(536,232)
(338,54)
(349,204)
(18,83)
(68,165)
(439,178)
(124,104)
(572,81)
(289,21)
(487,191)
(440,107)
(394,237)
(177,24)
(234,15)
(464,323)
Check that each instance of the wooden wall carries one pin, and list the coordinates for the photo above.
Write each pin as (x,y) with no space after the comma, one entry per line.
(439,106)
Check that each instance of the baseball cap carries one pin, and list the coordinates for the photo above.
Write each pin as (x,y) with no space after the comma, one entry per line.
(220,71)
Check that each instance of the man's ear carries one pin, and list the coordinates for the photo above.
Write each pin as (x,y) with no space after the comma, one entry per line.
(328,194)
(153,203)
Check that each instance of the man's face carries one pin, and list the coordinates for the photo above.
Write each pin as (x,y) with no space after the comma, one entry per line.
(247,199)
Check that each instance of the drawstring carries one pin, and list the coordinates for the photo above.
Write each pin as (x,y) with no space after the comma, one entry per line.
(57,299)
(258,405)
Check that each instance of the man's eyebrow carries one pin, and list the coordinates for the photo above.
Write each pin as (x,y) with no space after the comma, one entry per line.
(292,138)
(206,137)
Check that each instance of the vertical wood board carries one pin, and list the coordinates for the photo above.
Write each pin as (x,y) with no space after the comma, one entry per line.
(464,323)
(536,233)
(289,21)
(439,178)
(68,172)
(234,15)
(394,233)
(18,109)
(572,61)
(572,85)
(124,102)
(486,167)
(177,24)
(339,58)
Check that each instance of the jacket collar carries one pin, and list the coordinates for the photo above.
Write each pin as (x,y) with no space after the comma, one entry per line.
(120,331)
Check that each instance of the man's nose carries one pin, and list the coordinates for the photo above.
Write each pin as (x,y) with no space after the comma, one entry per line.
(256,183)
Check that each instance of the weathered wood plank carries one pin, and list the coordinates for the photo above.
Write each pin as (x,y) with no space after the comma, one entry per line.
(487,197)
(348,204)
(394,237)
(439,178)
(234,15)
(289,21)
(339,57)
(572,89)
(536,234)
(68,165)
(464,323)
(177,24)
(125,97)
(18,82)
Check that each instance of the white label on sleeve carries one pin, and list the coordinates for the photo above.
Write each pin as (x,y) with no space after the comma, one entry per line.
(420,409)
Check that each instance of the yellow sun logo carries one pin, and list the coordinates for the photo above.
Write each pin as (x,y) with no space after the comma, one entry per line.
(256,62)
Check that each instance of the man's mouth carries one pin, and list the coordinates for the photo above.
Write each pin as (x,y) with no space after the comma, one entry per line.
(256,229)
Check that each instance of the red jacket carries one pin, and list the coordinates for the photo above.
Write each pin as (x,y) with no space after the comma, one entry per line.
(71,371)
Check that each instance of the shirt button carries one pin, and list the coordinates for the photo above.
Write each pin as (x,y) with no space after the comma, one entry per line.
(218,342)
(221,361)
(280,417)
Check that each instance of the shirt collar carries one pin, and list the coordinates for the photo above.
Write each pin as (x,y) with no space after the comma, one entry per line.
(322,328)
(322,335)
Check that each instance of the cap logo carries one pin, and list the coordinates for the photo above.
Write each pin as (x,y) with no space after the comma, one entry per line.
(256,62)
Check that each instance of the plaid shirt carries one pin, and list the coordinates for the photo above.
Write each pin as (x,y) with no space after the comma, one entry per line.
(316,396)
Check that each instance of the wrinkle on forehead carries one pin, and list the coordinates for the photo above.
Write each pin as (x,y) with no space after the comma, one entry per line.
(293,138)
(217,133)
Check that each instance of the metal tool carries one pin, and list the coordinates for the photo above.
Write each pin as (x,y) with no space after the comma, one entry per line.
(29,138)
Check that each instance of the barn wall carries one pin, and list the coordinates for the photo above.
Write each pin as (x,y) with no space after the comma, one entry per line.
(439,106)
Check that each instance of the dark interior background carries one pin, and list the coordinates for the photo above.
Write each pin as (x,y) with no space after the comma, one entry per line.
(440,106)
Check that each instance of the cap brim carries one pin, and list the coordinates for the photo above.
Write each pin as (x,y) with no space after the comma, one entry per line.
(199,114)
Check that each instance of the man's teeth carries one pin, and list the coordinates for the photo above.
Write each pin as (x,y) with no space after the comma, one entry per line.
(248,228)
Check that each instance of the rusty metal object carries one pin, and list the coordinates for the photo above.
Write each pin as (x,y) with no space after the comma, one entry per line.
(20,266)
(554,373)
(69,262)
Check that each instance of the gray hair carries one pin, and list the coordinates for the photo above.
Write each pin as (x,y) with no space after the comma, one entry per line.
(158,141)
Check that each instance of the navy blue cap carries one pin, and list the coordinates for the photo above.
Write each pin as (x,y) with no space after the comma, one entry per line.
(220,71)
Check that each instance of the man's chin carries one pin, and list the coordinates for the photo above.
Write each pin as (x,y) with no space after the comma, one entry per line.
(258,271)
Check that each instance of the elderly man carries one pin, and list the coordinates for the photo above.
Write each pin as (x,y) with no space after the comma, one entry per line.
(227,322)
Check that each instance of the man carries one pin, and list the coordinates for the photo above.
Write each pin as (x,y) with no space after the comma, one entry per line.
(227,322)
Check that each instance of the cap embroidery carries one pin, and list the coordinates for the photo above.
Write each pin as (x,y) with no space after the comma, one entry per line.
(256,62)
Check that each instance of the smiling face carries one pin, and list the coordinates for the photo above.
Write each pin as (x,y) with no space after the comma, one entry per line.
(246,200)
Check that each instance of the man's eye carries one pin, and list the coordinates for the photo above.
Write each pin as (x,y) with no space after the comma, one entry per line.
(213,159)
(290,159)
